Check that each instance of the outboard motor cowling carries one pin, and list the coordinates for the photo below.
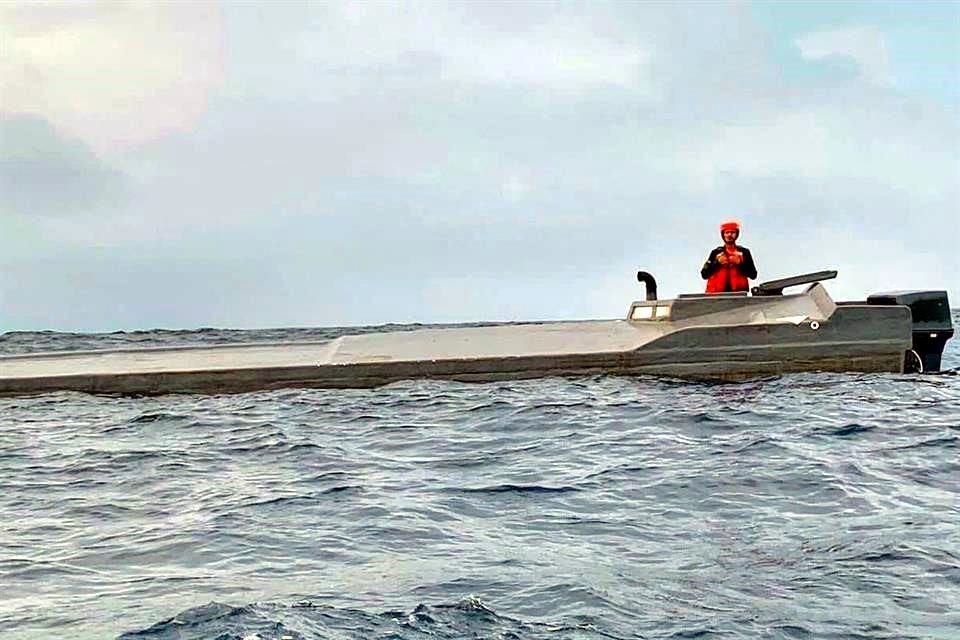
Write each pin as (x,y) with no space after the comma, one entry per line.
(932,326)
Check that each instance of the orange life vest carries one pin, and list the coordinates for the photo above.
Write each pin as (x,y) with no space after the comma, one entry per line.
(728,276)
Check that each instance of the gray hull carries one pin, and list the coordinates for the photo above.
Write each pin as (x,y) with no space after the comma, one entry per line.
(716,337)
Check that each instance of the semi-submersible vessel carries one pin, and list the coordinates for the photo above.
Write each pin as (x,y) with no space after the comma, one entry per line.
(718,336)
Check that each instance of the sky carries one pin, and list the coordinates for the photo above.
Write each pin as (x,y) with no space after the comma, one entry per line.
(244,164)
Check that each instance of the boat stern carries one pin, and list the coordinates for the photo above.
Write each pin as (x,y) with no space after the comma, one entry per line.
(932,326)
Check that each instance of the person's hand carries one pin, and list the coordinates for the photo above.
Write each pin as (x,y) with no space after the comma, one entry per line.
(722,258)
(736,259)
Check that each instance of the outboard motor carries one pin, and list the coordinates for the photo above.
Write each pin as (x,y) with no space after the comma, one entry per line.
(931,325)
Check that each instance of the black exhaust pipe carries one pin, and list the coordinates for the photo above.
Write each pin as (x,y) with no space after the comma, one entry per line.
(649,282)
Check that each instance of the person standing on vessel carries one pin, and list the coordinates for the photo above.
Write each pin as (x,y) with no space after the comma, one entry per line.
(729,267)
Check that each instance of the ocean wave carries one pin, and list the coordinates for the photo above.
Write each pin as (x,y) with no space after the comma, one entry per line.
(810,505)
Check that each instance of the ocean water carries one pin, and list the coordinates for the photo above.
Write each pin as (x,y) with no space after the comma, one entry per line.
(801,506)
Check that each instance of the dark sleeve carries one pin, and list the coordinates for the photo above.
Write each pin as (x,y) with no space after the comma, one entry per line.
(748,268)
(711,265)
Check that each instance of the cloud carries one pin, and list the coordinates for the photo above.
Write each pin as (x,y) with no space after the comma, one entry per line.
(497,43)
(114,74)
(377,158)
(865,45)
(45,174)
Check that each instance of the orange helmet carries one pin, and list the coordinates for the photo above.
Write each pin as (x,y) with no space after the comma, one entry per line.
(730,225)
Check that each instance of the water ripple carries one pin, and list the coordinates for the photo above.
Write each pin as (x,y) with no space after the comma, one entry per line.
(804,506)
